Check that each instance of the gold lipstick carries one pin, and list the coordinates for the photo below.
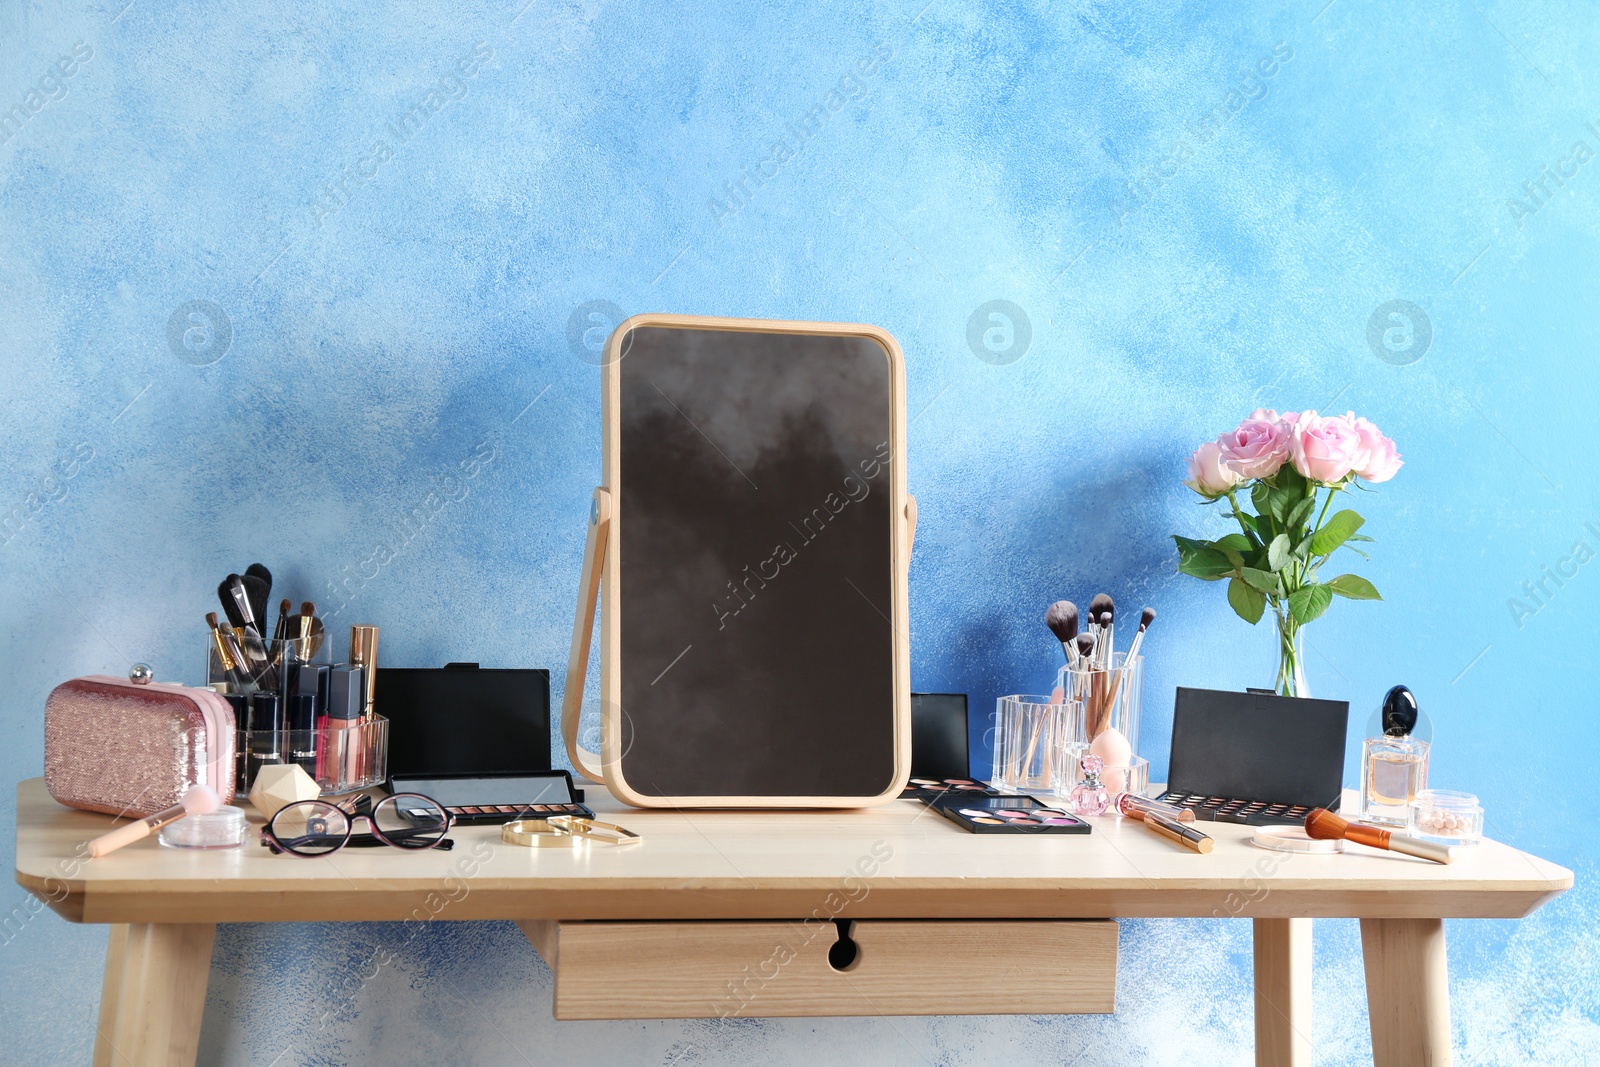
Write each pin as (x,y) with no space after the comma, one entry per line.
(364,654)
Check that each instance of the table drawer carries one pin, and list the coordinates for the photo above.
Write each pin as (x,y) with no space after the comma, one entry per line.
(696,970)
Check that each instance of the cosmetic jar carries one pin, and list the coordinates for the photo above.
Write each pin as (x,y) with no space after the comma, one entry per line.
(1446,816)
(223,828)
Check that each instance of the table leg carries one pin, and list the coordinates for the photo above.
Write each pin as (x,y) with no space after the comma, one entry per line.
(1408,992)
(1283,992)
(153,995)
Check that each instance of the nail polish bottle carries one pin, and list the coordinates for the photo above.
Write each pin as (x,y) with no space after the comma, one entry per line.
(1394,767)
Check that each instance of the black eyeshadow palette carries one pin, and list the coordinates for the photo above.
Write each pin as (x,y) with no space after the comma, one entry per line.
(1008,815)
(930,789)
(1237,810)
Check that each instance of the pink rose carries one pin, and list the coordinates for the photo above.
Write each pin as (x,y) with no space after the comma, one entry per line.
(1208,475)
(1379,457)
(1325,449)
(1260,444)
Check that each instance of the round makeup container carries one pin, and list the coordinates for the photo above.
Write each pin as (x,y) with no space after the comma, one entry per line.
(1447,816)
(1293,839)
(223,828)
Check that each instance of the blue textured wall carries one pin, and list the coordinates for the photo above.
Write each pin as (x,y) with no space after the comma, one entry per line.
(269,274)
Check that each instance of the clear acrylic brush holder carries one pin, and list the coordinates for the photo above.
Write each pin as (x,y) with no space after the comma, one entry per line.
(1030,734)
(1111,696)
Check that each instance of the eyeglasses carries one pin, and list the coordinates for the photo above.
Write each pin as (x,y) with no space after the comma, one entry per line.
(318,827)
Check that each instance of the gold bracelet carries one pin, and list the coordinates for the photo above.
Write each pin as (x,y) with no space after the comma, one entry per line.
(535,833)
(580,826)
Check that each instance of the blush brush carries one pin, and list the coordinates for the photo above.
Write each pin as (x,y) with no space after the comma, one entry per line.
(1324,825)
(1062,618)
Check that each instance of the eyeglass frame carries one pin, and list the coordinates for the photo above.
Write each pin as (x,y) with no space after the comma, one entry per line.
(365,809)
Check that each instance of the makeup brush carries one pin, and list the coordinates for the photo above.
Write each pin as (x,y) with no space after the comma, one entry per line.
(1324,825)
(197,800)
(1146,617)
(1062,618)
(308,631)
(1108,637)
(231,658)
(1085,645)
(258,580)
(236,606)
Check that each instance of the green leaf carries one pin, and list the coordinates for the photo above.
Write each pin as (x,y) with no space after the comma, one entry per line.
(1189,544)
(1261,497)
(1301,512)
(1278,552)
(1206,563)
(1247,603)
(1360,537)
(1335,532)
(1354,587)
(1234,546)
(1358,552)
(1262,580)
(1309,602)
(1281,502)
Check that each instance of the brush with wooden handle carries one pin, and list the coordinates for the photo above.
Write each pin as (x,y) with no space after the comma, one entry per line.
(197,800)
(1326,826)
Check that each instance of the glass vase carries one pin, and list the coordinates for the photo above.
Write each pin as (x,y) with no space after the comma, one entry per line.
(1291,674)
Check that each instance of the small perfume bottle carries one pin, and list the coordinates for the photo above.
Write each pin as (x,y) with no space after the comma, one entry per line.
(1089,796)
(1394,767)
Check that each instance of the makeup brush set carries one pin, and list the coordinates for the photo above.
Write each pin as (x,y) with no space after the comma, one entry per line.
(292,704)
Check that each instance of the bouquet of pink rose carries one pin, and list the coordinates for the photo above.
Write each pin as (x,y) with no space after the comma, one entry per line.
(1285,462)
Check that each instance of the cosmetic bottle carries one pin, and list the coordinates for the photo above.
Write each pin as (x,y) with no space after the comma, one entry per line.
(1394,767)
(1089,797)
(306,705)
(338,732)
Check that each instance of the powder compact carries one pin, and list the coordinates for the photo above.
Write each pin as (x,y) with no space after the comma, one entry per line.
(1007,815)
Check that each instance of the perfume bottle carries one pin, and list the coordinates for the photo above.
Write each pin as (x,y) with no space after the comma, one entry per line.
(1089,796)
(1394,767)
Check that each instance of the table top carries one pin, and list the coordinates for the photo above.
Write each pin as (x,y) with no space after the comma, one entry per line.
(899,860)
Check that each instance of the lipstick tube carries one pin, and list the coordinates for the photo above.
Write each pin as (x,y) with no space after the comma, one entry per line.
(1187,836)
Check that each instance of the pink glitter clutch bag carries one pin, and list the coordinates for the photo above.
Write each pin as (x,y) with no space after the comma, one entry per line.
(131,746)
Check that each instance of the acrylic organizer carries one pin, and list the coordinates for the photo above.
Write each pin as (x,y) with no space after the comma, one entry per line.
(1130,777)
(1111,697)
(335,744)
(1030,734)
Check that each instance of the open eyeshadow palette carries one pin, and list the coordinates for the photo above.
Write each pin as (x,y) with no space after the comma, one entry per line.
(928,789)
(1233,809)
(499,797)
(1008,815)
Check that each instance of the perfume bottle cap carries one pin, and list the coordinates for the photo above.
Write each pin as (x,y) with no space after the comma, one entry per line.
(1399,712)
